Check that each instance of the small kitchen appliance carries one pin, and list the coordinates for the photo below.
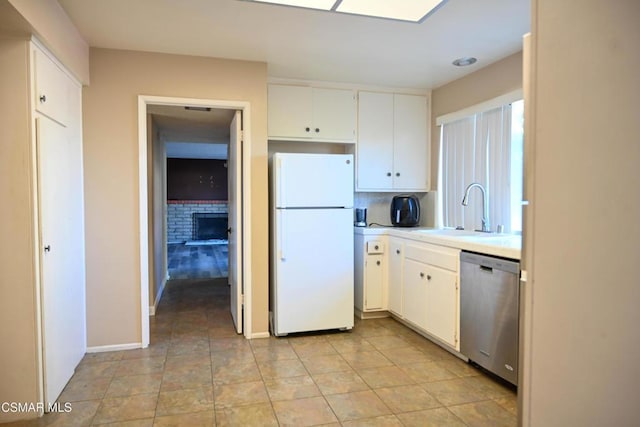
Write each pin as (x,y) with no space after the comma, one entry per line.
(405,211)
(361,217)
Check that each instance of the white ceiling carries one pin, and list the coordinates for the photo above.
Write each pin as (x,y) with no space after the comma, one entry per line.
(310,44)
(299,44)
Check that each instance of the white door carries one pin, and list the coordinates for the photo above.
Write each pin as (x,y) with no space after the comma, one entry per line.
(234,179)
(62,251)
(313,180)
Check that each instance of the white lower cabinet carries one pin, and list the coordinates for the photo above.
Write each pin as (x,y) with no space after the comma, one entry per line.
(414,299)
(370,275)
(431,293)
(442,305)
(396,274)
(417,282)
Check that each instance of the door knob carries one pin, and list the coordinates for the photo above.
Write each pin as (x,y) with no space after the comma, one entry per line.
(377,262)
(398,251)
(47,248)
(43,98)
(229,230)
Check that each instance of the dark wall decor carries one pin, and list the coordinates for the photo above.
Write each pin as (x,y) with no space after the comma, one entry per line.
(196,179)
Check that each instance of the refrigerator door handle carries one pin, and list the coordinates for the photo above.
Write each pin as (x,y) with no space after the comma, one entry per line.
(281,239)
(281,202)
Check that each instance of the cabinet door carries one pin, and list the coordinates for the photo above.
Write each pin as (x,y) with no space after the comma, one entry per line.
(410,153)
(414,297)
(334,115)
(374,282)
(396,261)
(375,141)
(290,110)
(52,88)
(442,305)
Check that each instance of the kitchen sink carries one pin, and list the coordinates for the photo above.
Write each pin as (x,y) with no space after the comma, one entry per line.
(457,233)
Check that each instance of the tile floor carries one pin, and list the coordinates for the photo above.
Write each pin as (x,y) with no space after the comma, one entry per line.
(198,372)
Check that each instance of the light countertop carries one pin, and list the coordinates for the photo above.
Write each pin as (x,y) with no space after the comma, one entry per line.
(502,245)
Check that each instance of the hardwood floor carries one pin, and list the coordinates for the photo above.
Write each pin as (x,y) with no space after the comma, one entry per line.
(197,261)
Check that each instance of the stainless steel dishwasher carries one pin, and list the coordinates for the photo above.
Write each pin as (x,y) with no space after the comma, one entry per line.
(489,307)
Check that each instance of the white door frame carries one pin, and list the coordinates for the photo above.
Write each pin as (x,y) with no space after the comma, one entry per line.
(143,212)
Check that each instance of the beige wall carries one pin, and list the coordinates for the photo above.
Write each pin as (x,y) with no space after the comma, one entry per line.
(585,345)
(111,175)
(19,378)
(487,83)
(52,25)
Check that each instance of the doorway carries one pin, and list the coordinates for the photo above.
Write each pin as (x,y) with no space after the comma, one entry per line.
(152,180)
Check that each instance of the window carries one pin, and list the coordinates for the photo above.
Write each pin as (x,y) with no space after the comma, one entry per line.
(487,148)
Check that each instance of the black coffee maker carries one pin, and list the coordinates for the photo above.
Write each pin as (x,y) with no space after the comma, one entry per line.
(405,211)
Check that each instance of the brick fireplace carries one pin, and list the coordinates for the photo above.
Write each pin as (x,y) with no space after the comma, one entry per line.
(184,216)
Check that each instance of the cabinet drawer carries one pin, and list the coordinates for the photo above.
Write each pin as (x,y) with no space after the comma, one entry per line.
(435,255)
(375,247)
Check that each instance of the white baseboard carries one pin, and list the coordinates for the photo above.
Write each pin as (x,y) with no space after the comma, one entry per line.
(154,307)
(260,335)
(115,347)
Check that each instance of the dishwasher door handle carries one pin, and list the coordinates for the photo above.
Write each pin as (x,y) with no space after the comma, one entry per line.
(487,269)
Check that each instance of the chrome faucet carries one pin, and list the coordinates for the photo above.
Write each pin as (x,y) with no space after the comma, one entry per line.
(485,207)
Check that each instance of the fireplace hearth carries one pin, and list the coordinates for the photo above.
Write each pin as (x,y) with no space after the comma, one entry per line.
(209,226)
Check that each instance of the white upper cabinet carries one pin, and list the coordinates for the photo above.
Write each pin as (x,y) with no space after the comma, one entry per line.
(307,113)
(393,142)
(374,161)
(53,90)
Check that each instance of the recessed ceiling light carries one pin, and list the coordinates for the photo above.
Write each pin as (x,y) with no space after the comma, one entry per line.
(403,10)
(464,61)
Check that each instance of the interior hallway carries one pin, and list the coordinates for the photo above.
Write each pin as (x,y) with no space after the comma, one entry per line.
(198,371)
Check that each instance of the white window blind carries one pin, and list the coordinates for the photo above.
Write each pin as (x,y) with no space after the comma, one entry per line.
(476,148)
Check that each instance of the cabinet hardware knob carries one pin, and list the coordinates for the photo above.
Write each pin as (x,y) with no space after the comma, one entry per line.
(47,248)
(398,251)
(428,277)
(307,129)
(43,98)
(376,247)
(317,130)
(397,173)
(422,275)
(388,173)
(377,262)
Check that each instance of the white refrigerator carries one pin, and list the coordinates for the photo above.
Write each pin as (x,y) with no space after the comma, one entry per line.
(312,242)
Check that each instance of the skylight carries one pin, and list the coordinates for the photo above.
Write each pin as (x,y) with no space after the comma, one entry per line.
(403,10)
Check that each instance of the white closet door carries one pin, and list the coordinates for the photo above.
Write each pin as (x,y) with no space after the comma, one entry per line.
(62,252)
